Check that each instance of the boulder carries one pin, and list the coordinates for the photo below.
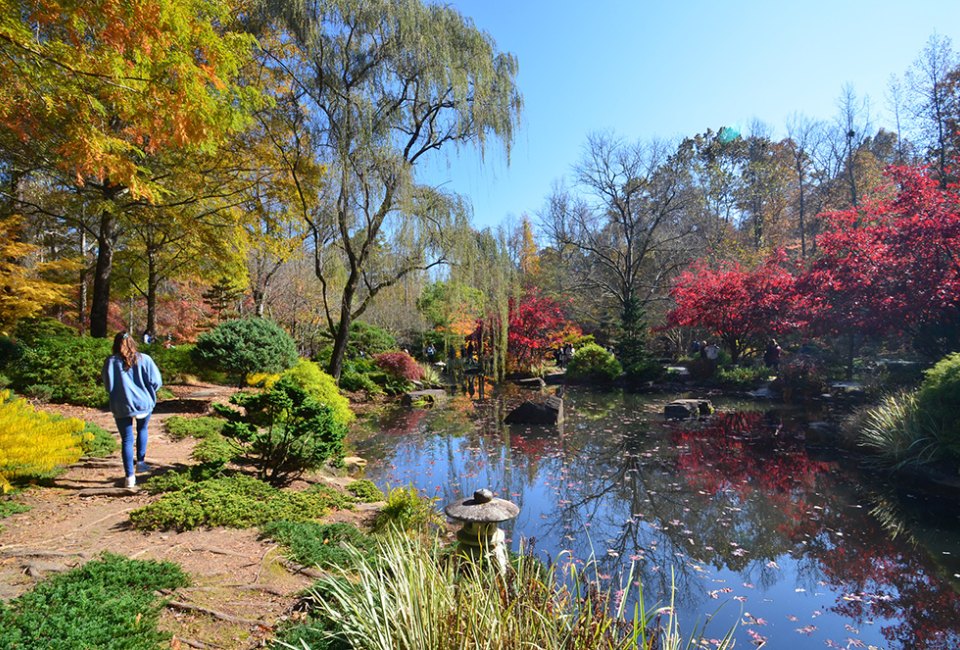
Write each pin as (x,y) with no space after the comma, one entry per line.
(533,383)
(354,463)
(677,372)
(682,409)
(555,377)
(537,413)
(427,397)
(763,392)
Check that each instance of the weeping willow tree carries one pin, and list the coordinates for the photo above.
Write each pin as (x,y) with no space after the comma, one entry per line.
(387,84)
(483,261)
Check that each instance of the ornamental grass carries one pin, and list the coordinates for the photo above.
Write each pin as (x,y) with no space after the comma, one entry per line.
(416,595)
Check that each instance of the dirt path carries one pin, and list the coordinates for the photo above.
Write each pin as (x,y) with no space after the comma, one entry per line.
(239,580)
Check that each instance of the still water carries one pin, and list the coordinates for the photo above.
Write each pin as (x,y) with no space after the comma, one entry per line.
(747,520)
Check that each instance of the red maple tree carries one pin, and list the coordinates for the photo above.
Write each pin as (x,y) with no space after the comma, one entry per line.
(537,324)
(740,306)
(893,266)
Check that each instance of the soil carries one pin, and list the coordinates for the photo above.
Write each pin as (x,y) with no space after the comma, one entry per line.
(242,586)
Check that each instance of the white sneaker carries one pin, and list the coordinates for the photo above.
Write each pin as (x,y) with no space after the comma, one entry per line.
(143,467)
(131,481)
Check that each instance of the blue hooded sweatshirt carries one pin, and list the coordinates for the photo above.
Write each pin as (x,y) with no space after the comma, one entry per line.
(132,392)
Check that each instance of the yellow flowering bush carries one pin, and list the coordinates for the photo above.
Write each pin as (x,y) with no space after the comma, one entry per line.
(33,442)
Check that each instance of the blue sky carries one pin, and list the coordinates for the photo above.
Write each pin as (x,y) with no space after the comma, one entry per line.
(671,68)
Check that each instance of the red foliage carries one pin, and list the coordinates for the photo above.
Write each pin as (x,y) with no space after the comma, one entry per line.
(537,324)
(740,306)
(399,365)
(893,265)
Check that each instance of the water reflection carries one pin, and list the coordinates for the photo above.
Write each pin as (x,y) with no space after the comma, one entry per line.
(732,510)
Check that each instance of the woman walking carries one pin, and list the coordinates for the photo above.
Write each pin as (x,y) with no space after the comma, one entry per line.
(131,380)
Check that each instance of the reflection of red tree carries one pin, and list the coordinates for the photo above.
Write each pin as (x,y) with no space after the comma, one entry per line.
(534,447)
(403,422)
(879,580)
(747,453)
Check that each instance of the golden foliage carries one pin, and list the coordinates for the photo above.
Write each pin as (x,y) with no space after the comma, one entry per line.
(24,292)
(33,442)
(100,83)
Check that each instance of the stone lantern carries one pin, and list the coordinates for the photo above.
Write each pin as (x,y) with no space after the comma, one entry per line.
(481,537)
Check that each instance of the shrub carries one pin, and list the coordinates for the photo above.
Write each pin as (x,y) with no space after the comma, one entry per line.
(241,347)
(407,510)
(399,365)
(179,427)
(741,377)
(939,401)
(233,502)
(365,491)
(30,330)
(10,351)
(8,507)
(321,387)
(176,363)
(33,443)
(262,379)
(592,362)
(66,369)
(645,369)
(214,452)
(354,382)
(98,443)
(320,545)
(800,377)
(369,339)
(177,480)
(283,430)
(109,603)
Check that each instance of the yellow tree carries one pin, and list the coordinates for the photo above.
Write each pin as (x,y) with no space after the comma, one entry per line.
(529,253)
(24,288)
(89,91)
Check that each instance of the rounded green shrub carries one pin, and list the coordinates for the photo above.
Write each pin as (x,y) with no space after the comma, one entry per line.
(241,347)
(594,363)
(283,430)
(365,490)
(938,400)
(62,369)
(321,387)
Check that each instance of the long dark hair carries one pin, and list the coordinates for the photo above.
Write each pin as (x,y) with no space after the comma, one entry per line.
(125,348)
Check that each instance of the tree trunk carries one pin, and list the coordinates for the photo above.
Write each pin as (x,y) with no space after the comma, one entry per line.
(259,301)
(343,329)
(152,282)
(82,299)
(100,302)
(803,228)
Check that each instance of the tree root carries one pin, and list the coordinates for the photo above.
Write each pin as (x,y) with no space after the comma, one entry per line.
(230,618)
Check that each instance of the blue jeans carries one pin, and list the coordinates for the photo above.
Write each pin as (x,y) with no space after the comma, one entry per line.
(125,425)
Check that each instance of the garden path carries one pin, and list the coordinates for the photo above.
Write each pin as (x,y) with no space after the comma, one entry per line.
(241,584)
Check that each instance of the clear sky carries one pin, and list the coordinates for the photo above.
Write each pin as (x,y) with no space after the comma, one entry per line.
(672,68)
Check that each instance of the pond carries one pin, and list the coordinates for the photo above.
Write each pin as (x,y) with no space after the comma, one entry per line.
(749,523)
